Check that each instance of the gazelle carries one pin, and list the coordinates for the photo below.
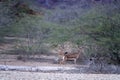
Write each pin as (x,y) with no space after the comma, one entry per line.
(71,56)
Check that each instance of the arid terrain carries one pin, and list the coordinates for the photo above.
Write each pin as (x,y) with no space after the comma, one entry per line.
(48,70)
(16,75)
(59,39)
(45,67)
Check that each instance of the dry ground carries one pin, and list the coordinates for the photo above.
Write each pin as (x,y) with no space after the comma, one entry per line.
(9,75)
(46,60)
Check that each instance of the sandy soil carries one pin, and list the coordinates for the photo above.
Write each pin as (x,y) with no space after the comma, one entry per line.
(45,60)
(16,75)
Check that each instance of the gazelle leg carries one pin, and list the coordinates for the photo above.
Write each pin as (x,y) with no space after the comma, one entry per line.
(63,60)
(75,61)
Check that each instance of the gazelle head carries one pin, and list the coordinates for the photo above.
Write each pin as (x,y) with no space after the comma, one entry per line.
(65,53)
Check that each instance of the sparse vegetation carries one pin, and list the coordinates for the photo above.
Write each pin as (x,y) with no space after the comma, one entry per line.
(83,23)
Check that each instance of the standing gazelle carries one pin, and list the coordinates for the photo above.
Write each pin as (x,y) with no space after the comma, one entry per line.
(71,56)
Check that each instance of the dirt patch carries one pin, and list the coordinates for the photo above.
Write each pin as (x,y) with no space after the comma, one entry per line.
(37,62)
(16,75)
